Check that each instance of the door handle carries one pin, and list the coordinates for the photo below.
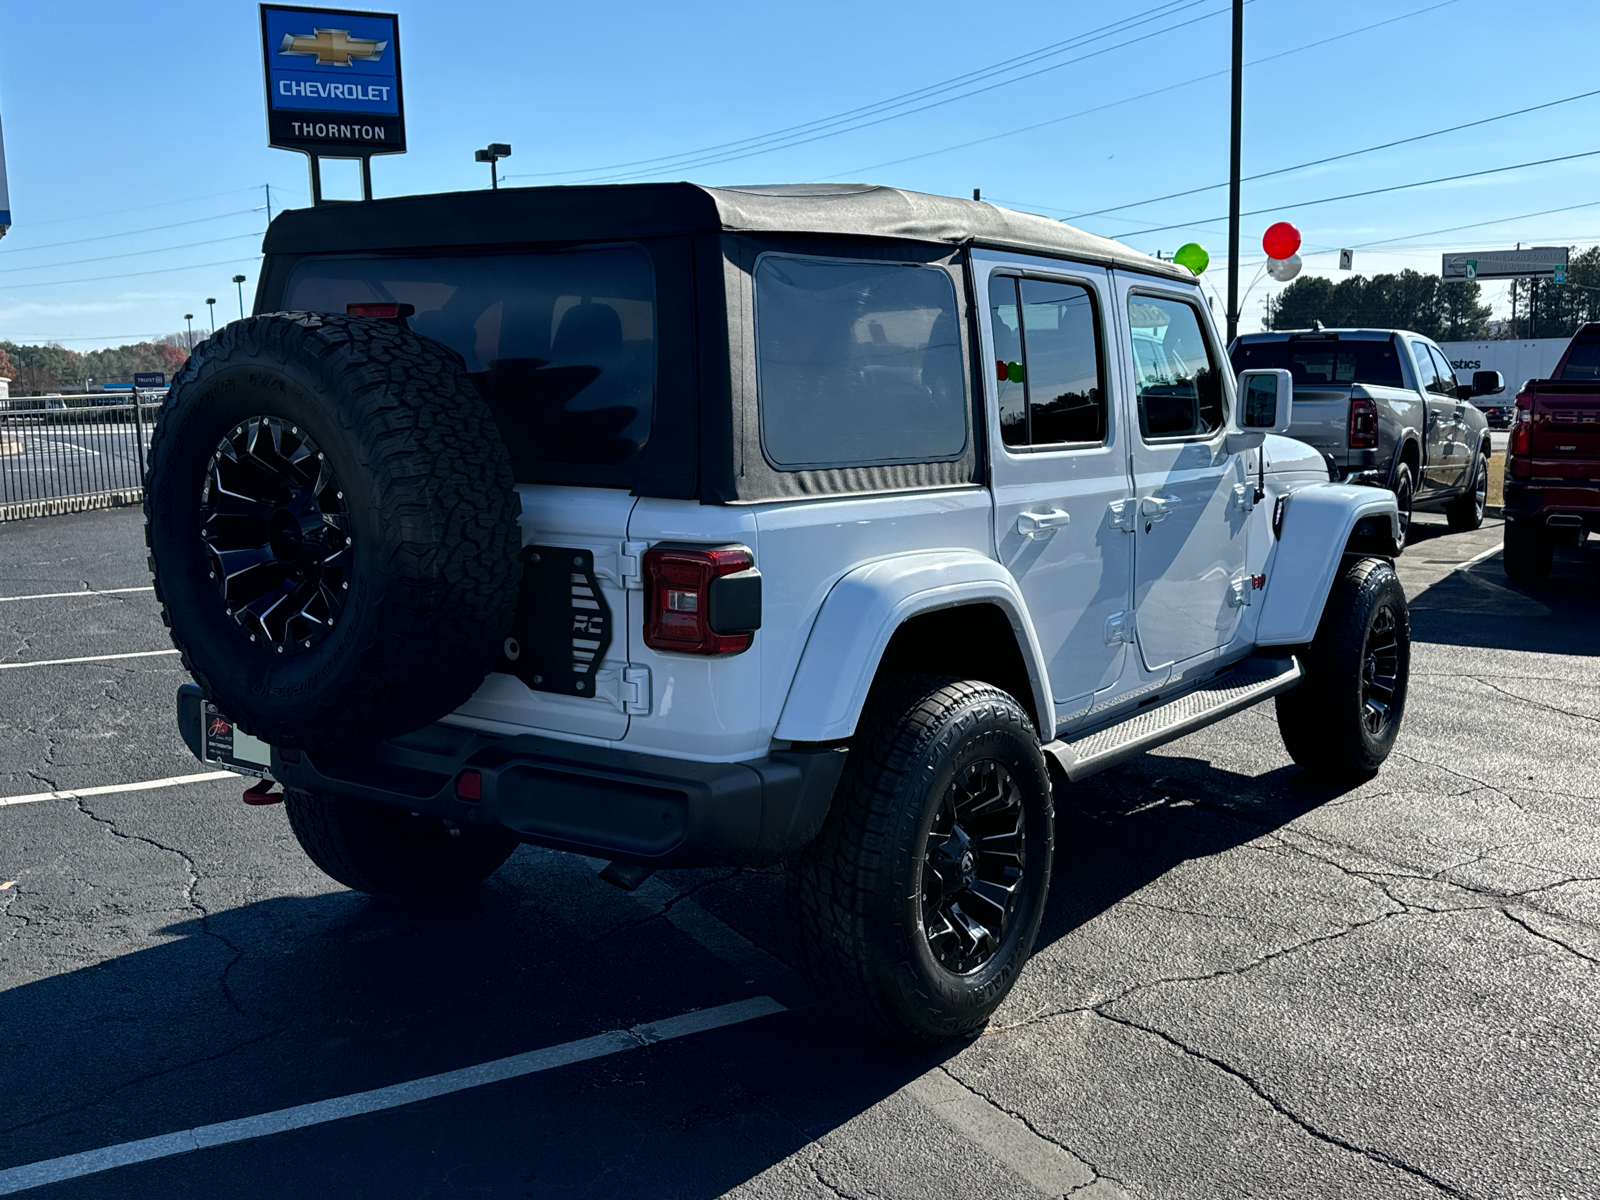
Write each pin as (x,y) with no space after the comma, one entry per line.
(1039,524)
(1156,508)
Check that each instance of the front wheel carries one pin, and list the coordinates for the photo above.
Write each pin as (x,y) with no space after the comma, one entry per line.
(387,852)
(919,900)
(1342,721)
(1465,512)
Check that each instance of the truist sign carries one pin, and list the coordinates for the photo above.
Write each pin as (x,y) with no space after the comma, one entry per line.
(333,81)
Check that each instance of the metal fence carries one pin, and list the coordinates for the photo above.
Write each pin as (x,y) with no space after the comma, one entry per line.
(70,453)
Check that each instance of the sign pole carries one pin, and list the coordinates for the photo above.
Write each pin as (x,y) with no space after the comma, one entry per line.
(1233,170)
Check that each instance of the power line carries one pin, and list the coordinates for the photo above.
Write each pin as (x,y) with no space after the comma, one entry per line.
(1013,63)
(1398,187)
(993,137)
(129,232)
(226,262)
(1317,162)
(73,262)
(117,212)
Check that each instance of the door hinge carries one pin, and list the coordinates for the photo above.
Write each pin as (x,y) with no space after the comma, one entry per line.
(1244,496)
(1119,629)
(1239,592)
(1123,515)
(628,565)
(636,691)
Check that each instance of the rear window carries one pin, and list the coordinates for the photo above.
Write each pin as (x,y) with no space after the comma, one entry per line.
(857,363)
(1583,362)
(562,344)
(1324,364)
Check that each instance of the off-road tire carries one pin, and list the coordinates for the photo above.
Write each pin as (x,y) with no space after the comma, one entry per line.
(386,852)
(1405,498)
(1325,721)
(857,887)
(1465,512)
(432,511)
(1529,551)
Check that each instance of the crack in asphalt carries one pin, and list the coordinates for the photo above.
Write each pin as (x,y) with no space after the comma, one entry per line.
(1573,950)
(1367,1152)
(194,878)
(1535,704)
(816,1173)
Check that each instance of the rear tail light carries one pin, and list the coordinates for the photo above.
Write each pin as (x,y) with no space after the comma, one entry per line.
(1521,439)
(701,601)
(1363,424)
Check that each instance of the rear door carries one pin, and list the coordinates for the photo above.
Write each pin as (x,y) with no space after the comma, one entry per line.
(1191,495)
(1440,470)
(1060,466)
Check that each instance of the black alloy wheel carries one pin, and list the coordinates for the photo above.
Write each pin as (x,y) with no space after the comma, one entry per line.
(275,523)
(972,870)
(1380,672)
(1405,495)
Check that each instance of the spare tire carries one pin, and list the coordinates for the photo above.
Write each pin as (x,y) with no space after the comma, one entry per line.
(332,523)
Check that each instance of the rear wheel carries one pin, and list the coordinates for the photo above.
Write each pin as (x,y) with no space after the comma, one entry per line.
(919,900)
(1465,512)
(387,852)
(1529,551)
(1342,721)
(1405,495)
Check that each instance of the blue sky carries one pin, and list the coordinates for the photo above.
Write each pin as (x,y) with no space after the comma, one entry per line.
(139,128)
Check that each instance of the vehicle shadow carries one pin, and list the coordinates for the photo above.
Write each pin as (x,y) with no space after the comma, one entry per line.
(1481,608)
(293,999)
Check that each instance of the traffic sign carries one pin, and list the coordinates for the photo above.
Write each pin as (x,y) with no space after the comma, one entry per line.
(1560,275)
(1471,269)
(333,81)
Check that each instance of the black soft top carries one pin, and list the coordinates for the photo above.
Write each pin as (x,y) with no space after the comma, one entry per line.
(581,214)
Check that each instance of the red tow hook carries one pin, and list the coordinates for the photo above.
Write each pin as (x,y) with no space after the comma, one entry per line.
(261,792)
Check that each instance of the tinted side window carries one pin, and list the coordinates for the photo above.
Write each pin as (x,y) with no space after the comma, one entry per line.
(1180,391)
(563,345)
(1444,371)
(1047,362)
(857,363)
(1427,375)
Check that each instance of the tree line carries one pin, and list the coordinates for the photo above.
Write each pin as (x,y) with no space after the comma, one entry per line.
(1445,312)
(36,370)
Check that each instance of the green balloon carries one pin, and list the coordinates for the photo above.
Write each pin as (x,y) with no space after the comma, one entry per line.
(1194,256)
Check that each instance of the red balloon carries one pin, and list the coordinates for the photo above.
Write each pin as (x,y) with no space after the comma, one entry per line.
(1280,240)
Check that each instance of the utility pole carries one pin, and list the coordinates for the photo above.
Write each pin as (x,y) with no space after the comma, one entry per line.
(1233,171)
(268,186)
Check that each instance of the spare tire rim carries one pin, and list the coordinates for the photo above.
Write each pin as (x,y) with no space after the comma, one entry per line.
(276,527)
(972,868)
(1380,672)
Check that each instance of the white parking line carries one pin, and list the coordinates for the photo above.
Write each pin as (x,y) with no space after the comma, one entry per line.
(112,789)
(1477,558)
(65,595)
(57,662)
(75,1166)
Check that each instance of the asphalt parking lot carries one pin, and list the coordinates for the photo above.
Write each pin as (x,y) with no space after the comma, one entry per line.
(1245,986)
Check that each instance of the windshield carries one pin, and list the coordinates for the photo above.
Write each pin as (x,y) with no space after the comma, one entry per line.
(562,344)
(1324,364)
(1583,361)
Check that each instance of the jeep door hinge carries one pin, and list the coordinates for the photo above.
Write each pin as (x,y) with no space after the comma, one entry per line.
(1239,592)
(1244,496)
(636,691)
(1119,629)
(629,566)
(1124,514)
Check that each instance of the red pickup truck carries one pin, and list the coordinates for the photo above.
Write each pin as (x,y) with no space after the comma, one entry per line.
(1552,482)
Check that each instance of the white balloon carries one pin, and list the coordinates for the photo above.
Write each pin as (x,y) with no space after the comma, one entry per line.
(1284,269)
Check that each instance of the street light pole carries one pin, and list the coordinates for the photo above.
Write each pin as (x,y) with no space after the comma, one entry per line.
(238,281)
(211,306)
(492,154)
(1233,171)
(189,320)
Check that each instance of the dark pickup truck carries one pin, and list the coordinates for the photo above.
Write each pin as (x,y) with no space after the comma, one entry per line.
(1383,408)
(1552,482)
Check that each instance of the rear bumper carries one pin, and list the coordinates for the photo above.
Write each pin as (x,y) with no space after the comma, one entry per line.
(615,804)
(1527,502)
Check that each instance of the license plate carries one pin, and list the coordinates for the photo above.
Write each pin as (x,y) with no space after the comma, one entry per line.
(229,746)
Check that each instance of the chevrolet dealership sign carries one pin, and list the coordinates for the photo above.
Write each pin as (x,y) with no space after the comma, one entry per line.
(333,81)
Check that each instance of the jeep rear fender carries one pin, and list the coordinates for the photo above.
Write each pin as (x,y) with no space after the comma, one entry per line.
(861,613)
(1317,523)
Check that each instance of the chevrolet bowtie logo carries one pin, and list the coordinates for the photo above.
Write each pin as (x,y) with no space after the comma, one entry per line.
(332,47)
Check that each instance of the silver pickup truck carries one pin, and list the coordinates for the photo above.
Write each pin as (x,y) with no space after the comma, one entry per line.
(1382,406)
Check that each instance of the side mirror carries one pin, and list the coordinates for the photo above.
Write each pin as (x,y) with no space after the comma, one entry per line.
(1265,402)
(1487,383)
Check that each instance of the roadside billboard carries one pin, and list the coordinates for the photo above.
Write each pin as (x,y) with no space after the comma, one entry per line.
(1531,262)
(333,81)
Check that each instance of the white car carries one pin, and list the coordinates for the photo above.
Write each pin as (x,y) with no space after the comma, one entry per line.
(840,525)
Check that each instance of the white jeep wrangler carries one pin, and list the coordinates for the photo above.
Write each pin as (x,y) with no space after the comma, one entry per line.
(838,525)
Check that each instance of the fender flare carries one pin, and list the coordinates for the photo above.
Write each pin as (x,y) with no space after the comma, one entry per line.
(1408,436)
(1317,522)
(861,613)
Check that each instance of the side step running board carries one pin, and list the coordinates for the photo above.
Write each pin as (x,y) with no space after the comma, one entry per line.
(1251,682)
